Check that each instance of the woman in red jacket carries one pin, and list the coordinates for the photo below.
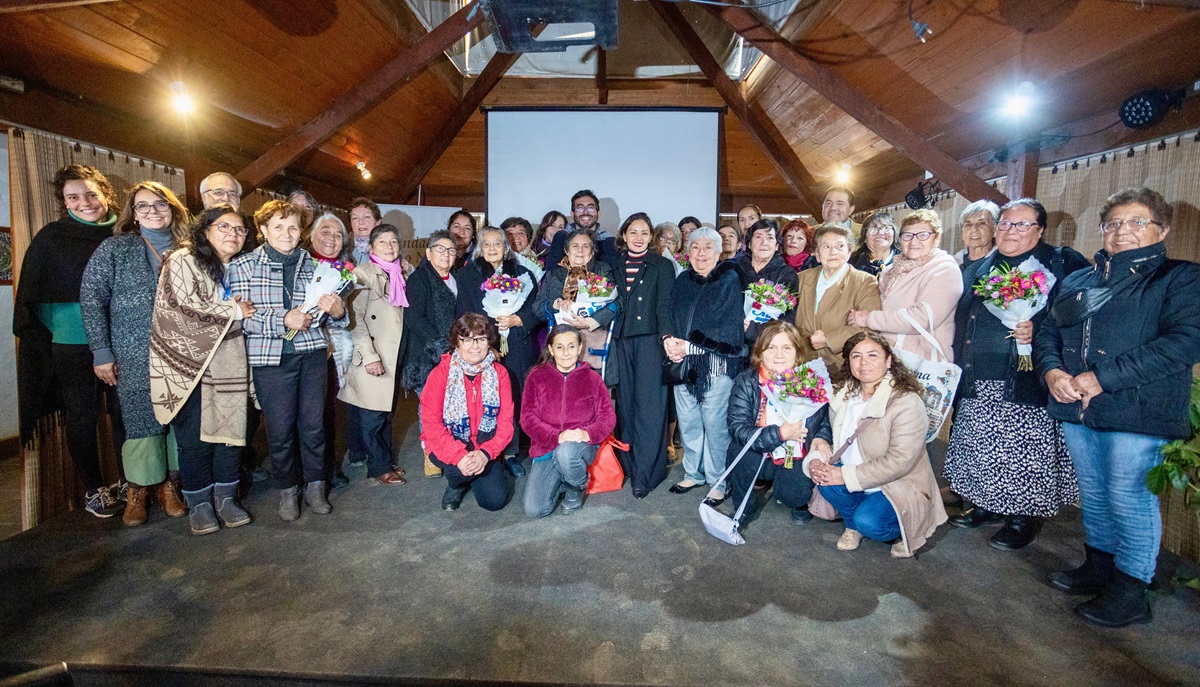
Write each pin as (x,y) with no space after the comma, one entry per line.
(467,415)
(566,412)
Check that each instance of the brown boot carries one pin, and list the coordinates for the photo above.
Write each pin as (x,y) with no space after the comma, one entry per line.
(431,470)
(135,506)
(674,455)
(167,495)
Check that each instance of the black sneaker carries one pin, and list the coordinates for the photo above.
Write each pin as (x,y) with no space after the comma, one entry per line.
(120,489)
(102,503)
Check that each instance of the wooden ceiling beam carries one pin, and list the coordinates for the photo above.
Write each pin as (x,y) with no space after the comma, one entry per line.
(602,76)
(756,121)
(795,28)
(363,96)
(470,102)
(856,104)
(7,6)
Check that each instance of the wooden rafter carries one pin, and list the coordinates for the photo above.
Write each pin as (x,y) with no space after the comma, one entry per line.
(602,75)
(361,97)
(470,102)
(794,28)
(7,6)
(856,104)
(757,122)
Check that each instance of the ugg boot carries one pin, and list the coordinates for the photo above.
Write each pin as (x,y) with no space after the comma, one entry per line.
(314,496)
(228,510)
(135,505)
(1088,578)
(289,504)
(200,511)
(167,495)
(1123,602)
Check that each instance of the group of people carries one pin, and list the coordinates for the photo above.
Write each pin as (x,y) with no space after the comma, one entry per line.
(199,321)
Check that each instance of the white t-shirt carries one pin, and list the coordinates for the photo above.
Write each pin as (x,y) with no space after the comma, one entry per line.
(850,419)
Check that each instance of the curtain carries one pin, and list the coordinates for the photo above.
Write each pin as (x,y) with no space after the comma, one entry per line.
(49,485)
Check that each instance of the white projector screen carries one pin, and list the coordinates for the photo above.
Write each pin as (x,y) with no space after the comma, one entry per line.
(661,162)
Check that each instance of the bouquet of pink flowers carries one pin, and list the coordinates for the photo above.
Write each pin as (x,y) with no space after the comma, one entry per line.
(334,278)
(594,293)
(531,262)
(793,396)
(681,259)
(1016,294)
(504,295)
(765,301)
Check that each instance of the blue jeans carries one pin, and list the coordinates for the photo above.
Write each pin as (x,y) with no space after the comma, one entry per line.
(567,465)
(871,515)
(1120,515)
(704,427)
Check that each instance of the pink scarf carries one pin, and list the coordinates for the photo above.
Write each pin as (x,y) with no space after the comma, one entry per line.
(395,274)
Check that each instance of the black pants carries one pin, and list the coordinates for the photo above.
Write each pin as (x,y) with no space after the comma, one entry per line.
(201,463)
(292,396)
(641,410)
(248,459)
(375,430)
(81,398)
(492,487)
(791,486)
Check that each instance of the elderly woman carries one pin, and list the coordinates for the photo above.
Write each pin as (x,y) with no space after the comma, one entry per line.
(519,233)
(494,256)
(432,294)
(364,216)
(978,232)
(877,473)
(731,242)
(203,389)
(329,242)
(467,415)
(117,302)
(552,223)
(558,291)
(709,346)
(1006,454)
(775,352)
(567,413)
(643,322)
(878,245)
(762,262)
(924,284)
(1119,374)
(799,249)
(54,353)
(378,305)
(289,374)
(669,242)
(828,295)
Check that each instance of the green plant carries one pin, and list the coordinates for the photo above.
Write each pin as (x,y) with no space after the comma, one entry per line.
(1181,460)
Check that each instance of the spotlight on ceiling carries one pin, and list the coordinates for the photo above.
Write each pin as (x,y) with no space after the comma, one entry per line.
(362,169)
(1144,109)
(1020,101)
(181,99)
(842,177)
(925,195)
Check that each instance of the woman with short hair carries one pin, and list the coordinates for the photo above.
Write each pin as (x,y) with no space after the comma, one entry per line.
(799,248)
(828,295)
(669,243)
(467,415)
(978,222)
(878,244)
(762,262)
(117,302)
(731,242)
(559,289)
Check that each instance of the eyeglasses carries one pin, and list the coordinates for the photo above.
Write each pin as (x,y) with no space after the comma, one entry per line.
(227,228)
(442,250)
(582,209)
(918,235)
(222,194)
(880,230)
(144,208)
(1135,224)
(1019,227)
(474,341)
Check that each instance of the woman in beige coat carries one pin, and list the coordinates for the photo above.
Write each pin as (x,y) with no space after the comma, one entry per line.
(827,295)
(378,306)
(923,282)
(881,482)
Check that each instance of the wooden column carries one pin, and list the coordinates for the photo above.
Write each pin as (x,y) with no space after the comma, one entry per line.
(1023,161)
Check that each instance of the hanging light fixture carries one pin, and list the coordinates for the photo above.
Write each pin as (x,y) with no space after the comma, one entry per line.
(362,169)
(1144,109)
(181,99)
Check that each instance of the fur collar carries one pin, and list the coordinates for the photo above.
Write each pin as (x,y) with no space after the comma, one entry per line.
(719,271)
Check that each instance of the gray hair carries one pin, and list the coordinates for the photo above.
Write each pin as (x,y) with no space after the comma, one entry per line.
(664,227)
(347,242)
(508,252)
(204,183)
(701,234)
(978,206)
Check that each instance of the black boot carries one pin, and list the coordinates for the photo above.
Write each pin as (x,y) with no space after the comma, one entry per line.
(975,516)
(1088,578)
(1123,602)
(1018,532)
(453,496)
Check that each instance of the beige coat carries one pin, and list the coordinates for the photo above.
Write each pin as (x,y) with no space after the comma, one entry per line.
(856,290)
(377,330)
(938,283)
(894,458)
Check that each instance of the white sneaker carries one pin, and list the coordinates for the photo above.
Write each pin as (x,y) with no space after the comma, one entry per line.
(849,540)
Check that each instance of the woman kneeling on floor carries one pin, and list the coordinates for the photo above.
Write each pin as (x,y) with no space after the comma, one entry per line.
(880,468)
(566,412)
(467,415)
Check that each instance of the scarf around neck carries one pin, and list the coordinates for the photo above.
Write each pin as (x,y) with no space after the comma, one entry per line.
(571,281)
(108,221)
(902,265)
(362,244)
(456,415)
(796,261)
(396,296)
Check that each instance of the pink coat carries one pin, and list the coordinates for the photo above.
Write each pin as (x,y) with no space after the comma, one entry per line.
(938,283)
(554,402)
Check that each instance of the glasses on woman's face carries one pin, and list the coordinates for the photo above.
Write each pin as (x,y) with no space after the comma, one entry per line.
(877,231)
(145,208)
(918,235)
(1019,227)
(227,228)
(1135,224)
(444,250)
(474,341)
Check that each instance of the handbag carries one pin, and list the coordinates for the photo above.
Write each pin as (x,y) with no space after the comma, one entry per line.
(724,527)
(938,378)
(817,504)
(605,473)
(684,371)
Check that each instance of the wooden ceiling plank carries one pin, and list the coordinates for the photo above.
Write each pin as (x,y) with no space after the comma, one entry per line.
(751,115)
(602,75)
(361,97)
(7,6)
(851,100)
(794,29)
(470,103)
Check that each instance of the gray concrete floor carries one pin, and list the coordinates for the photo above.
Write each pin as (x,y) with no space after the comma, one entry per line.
(625,591)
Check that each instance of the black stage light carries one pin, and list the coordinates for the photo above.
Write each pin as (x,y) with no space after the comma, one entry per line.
(915,198)
(1144,109)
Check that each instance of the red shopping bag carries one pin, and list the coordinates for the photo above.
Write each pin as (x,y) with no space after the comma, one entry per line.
(605,473)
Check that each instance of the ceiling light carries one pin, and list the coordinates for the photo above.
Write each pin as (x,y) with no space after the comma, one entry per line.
(362,169)
(181,99)
(1144,109)
(843,174)
(1019,102)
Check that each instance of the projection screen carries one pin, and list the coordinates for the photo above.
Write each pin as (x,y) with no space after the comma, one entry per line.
(659,161)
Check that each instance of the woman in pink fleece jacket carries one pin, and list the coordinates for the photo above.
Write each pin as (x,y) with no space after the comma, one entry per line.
(567,413)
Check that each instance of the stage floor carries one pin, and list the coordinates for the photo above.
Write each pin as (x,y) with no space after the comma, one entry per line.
(624,591)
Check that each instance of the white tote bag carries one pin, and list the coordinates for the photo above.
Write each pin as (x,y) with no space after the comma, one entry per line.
(724,527)
(938,378)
